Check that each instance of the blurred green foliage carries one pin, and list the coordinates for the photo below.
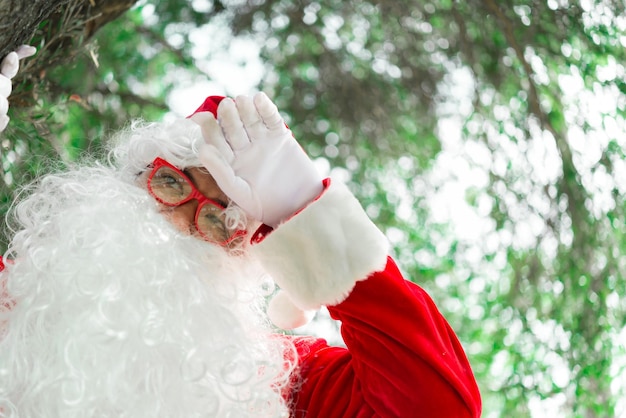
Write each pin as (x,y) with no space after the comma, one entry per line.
(513,111)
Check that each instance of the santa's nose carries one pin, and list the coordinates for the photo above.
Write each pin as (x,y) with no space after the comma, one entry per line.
(183,216)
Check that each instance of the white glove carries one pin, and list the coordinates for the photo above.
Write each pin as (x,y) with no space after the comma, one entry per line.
(8,70)
(256,161)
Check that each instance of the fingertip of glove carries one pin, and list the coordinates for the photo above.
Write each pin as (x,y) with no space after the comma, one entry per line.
(261,99)
(261,95)
(244,103)
(10,64)
(226,104)
(269,112)
(202,118)
(241,98)
(26,51)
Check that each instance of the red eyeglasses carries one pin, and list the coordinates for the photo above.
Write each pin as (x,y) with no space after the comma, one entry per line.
(172,187)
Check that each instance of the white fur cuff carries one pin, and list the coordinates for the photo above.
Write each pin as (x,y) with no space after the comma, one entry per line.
(318,255)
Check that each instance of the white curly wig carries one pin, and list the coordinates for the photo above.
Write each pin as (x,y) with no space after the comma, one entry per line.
(107,310)
(136,147)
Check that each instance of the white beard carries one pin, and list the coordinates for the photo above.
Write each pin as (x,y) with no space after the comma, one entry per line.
(114,313)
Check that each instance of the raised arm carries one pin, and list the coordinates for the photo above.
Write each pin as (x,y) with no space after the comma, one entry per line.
(402,358)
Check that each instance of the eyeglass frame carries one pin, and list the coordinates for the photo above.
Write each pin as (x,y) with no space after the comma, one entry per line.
(195,194)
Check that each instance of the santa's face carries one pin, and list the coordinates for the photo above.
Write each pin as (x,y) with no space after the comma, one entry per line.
(189,198)
(183,216)
(193,202)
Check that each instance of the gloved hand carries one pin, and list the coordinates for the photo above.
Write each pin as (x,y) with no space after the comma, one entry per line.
(256,161)
(8,70)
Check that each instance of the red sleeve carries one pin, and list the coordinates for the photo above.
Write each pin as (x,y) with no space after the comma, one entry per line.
(402,358)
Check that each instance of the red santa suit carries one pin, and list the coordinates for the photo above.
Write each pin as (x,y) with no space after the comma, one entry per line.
(401,358)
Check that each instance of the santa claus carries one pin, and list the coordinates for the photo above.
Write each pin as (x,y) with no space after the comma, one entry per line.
(137,287)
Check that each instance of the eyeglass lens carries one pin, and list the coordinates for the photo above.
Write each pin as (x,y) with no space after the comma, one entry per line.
(169,186)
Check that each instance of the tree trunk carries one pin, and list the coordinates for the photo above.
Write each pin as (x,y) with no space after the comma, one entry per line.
(19,20)
(54,22)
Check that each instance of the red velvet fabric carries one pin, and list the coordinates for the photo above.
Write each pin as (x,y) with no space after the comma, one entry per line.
(402,358)
(209,105)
